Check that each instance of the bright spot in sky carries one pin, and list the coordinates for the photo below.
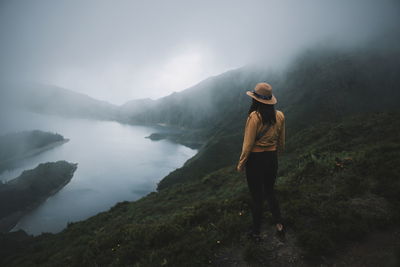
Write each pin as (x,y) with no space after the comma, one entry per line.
(179,72)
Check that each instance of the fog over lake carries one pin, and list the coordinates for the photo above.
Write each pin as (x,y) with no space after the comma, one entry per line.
(115,163)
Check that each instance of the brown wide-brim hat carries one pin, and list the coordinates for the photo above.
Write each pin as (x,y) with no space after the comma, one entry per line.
(263,93)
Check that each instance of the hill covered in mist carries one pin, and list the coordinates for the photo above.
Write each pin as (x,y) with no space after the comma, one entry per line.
(54,100)
(327,80)
(19,145)
(333,81)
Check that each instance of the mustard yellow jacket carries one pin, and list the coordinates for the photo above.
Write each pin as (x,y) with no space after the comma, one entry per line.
(273,139)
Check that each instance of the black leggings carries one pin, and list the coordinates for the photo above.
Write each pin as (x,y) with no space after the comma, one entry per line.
(261,171)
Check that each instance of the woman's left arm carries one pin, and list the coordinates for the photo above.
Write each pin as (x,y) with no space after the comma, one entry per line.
(281,139)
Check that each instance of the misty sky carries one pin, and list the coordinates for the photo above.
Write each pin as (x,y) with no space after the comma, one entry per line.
(122,50)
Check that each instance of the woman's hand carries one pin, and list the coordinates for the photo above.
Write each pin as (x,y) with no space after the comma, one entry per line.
(239,168)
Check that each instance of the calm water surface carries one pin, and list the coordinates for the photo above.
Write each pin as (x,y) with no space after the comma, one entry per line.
(115,163)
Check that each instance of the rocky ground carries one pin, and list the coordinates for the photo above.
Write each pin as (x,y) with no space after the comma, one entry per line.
(381,248)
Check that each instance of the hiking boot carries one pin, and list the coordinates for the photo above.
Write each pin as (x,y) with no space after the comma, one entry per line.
(281,233)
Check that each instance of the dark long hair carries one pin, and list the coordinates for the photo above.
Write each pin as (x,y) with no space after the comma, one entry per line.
(267,112)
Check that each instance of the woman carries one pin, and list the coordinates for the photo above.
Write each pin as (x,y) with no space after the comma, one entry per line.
(264,137)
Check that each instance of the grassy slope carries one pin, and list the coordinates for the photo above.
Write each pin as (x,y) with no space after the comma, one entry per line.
(325,203)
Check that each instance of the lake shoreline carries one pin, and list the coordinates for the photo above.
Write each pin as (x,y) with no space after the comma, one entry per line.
(110,169)
(193,139)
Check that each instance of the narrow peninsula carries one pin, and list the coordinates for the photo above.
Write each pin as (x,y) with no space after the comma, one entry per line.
(24,193)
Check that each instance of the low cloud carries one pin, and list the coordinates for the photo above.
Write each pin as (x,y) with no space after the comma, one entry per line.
(120,50)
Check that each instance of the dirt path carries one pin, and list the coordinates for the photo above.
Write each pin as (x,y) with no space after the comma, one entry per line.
(271,251)
(379,249)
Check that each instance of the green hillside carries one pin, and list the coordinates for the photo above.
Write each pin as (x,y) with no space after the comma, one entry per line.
(335,188)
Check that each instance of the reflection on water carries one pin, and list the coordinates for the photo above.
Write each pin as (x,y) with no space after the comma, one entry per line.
(115,163)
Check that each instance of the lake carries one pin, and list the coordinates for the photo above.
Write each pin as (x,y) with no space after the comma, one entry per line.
(115,163)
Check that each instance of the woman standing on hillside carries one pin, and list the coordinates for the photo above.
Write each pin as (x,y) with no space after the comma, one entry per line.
(264,137)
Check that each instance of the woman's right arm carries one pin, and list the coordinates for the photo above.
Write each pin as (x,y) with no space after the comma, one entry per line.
(248,141)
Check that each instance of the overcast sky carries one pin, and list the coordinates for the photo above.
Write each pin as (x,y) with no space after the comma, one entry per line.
(121,50)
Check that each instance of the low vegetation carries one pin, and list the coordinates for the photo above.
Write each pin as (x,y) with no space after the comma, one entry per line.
(334,188)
